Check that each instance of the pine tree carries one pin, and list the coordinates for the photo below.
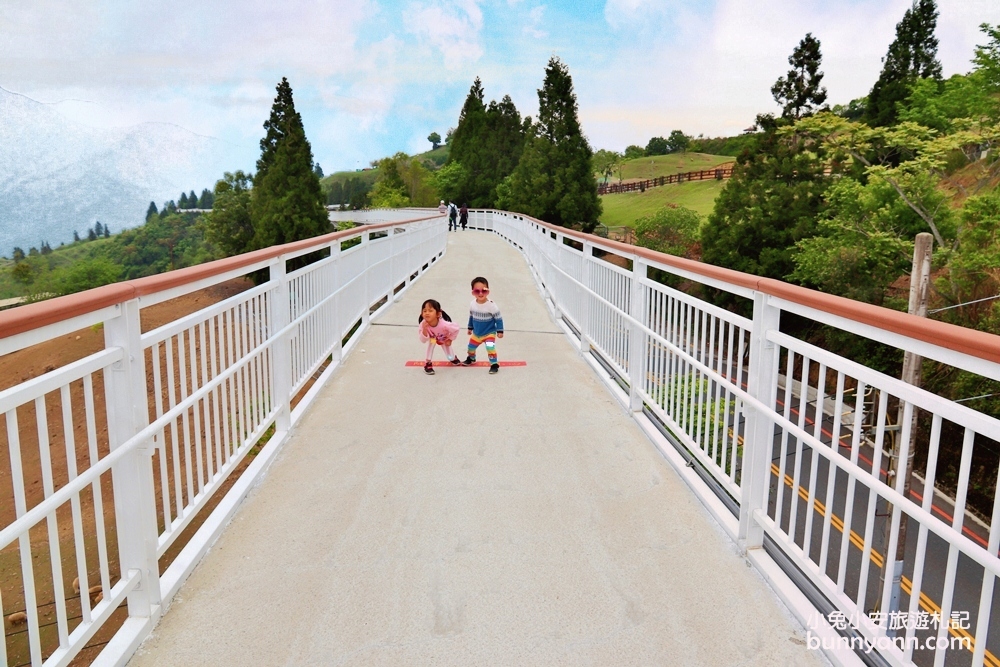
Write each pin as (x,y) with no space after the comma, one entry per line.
(286,203)
(76,236)
(466,141)
(487,144)
(107,231)
(151,211)
(91,234)
(773,200)
(192,200)
(911,56)
(98,229)
(206,199)
(183,201)
(800,94)
(282,117)
(554,180)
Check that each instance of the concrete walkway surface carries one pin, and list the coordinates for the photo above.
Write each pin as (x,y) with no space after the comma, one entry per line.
(470,519)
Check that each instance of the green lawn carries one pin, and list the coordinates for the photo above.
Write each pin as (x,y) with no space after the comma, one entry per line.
(664,165)
(624,209)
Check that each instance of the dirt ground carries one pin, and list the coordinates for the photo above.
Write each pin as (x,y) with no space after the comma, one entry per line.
(33,362)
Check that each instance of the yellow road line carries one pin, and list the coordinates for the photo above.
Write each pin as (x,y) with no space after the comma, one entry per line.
(925,602)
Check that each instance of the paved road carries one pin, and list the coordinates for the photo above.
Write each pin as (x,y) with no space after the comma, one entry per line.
(469,519)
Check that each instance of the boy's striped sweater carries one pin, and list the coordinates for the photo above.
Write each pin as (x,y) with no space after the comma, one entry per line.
(484,318)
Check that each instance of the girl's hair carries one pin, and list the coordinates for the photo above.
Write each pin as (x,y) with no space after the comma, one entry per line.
(436,306)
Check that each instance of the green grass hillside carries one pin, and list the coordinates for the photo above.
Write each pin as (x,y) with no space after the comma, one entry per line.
(625,209)
(665,165)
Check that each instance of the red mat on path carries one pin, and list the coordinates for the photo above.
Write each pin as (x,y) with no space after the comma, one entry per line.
(482,364)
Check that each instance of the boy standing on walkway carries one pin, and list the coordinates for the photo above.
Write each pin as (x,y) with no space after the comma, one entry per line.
(485,324)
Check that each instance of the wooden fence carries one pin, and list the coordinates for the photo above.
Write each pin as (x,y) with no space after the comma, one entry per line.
(717,173)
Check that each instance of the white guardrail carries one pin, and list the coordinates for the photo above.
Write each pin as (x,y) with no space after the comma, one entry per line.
(154,424)
(718,385)
(754,410)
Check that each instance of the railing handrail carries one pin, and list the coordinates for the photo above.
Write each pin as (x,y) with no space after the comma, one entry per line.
(43,313)
(979,344)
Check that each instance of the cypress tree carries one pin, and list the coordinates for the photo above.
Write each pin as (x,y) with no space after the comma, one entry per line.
(192,200)
(152,210)
(554,179)
(286,203)
(183,201)
(911,56)
(800,94)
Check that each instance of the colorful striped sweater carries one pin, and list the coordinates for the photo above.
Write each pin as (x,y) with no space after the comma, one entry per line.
(484,318)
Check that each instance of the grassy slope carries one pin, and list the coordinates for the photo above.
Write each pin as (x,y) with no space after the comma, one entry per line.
(435,156)
(63,256)
(624,209)
(664,165)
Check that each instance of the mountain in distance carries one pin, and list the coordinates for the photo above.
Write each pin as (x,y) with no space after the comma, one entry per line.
(58,176)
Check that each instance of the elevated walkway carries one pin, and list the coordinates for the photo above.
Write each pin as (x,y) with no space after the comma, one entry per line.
(471,519)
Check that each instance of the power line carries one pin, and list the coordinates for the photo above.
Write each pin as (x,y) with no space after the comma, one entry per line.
(959,305)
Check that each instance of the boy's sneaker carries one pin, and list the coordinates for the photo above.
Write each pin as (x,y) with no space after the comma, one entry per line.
(428,368)
(494,369)
(456,362)
(469,360)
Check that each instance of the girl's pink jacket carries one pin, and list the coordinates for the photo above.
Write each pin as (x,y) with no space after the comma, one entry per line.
(444,333)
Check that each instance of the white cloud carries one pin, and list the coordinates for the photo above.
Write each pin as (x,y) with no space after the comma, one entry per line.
(449,27)
(711,71)
(533,27)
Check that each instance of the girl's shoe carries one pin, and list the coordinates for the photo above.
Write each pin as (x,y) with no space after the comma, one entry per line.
(456,362)
(428,368)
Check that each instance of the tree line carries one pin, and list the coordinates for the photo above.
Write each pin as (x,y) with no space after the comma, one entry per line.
(498,159)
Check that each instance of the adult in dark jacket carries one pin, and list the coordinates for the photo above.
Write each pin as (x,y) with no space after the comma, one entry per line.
(463,216)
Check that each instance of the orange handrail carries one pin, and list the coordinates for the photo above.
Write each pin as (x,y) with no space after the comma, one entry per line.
(978,344)
(37,315)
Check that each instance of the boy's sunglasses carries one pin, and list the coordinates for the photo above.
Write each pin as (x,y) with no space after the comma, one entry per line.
(480,292)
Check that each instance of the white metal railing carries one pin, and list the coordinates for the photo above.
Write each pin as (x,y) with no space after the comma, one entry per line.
(798,437)
(792,435)
(158,421)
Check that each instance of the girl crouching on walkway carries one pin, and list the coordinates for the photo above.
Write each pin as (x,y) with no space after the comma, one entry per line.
(436,328)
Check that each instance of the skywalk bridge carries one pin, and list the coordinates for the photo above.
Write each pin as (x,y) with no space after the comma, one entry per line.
(663,482)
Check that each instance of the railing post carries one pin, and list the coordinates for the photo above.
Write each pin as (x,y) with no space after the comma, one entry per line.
(338,330)
(554,258)
(366,249)
(125,395)
(759,434)
(637,337)
(281,353)
(588,258)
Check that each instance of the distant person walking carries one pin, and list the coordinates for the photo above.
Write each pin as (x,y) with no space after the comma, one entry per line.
(452,217)
(442,209)
(463,216)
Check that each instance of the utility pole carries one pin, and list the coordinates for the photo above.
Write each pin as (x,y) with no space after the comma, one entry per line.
(912,362)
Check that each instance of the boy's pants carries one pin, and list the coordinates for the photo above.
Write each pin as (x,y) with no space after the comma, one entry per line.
(491,345)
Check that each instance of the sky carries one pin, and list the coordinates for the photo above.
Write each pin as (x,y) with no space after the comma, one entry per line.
(373,77)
